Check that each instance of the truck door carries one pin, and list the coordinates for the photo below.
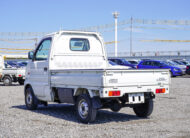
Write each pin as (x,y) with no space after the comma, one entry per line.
(39,68)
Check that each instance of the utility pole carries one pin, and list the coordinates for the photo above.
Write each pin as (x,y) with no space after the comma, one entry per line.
(131,46)
(115,15)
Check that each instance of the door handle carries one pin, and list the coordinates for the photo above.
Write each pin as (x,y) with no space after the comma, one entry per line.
(45,69)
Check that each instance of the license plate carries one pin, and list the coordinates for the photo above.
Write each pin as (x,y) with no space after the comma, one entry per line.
(135,98)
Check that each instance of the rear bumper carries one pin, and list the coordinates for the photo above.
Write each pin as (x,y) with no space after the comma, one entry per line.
(132,89)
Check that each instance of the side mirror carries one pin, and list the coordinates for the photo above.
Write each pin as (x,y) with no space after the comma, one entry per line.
(30,55)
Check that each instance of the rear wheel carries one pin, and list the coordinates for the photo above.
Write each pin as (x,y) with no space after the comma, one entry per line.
(171,74)
(85,111)
(144,110)
(30,99)
(7,81)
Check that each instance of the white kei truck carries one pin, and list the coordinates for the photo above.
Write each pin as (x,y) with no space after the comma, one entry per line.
(72,67)
(8,74)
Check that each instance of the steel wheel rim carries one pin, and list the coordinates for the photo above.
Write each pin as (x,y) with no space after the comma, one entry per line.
(29,98)
(6,81)
(83,108)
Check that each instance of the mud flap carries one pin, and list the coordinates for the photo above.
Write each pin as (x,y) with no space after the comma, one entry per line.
(96,103)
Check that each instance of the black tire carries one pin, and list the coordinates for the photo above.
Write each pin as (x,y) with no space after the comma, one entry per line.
(171,74)
(21,81)
(144,110)
(7,81)
(30,99)
(84,103)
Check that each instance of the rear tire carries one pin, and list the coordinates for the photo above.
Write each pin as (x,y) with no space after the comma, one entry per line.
(7,81)
(85,111)
(144,110)
(30,99)
(171,74)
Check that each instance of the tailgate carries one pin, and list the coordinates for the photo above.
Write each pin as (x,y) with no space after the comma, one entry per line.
(139,78)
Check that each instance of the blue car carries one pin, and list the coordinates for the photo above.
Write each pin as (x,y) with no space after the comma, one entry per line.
(112,63)
(121,61)
(156,64)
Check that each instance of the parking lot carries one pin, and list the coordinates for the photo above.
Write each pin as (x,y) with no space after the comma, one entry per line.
(170,118)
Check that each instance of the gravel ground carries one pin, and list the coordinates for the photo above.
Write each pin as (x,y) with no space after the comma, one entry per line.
(170,118)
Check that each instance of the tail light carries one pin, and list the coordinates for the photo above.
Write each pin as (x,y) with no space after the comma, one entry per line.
(163,90)
(187,67)
(137,67)
(114,93)
(20,75)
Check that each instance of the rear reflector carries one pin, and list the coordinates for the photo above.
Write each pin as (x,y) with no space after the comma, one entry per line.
(161,90)
(114,93)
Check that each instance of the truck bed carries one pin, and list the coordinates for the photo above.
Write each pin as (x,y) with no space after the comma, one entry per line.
(14,71)
(109,78)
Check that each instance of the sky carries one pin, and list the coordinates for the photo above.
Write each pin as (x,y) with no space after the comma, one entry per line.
(53,15)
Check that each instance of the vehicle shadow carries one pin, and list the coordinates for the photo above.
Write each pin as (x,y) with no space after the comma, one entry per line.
(11,85)
(67,112)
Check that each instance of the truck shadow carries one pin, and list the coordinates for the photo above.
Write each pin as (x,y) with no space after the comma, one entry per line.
(67,112)
(15,84)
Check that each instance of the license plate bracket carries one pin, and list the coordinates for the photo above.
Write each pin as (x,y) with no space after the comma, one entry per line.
(135,98)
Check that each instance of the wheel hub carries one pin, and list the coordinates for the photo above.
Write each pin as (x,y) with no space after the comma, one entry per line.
(29,98)
(83,108)
(6,81)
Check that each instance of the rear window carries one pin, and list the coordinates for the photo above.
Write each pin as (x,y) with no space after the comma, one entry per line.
(79,44)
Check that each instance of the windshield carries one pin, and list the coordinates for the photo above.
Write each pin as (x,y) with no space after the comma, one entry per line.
(125,61)
(112,63)
(171,63)
(179,63)
(165,63)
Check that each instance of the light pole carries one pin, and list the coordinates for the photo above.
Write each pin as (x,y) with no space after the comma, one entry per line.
(131,45)
(115,15)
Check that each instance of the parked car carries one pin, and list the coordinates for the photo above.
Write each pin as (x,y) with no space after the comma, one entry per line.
(172,63)
(156,64)
(186,63)
(122,61)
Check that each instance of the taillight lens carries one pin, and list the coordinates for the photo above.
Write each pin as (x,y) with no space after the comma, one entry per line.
(114,93)
(187,67)
(20,75)
(163,90)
